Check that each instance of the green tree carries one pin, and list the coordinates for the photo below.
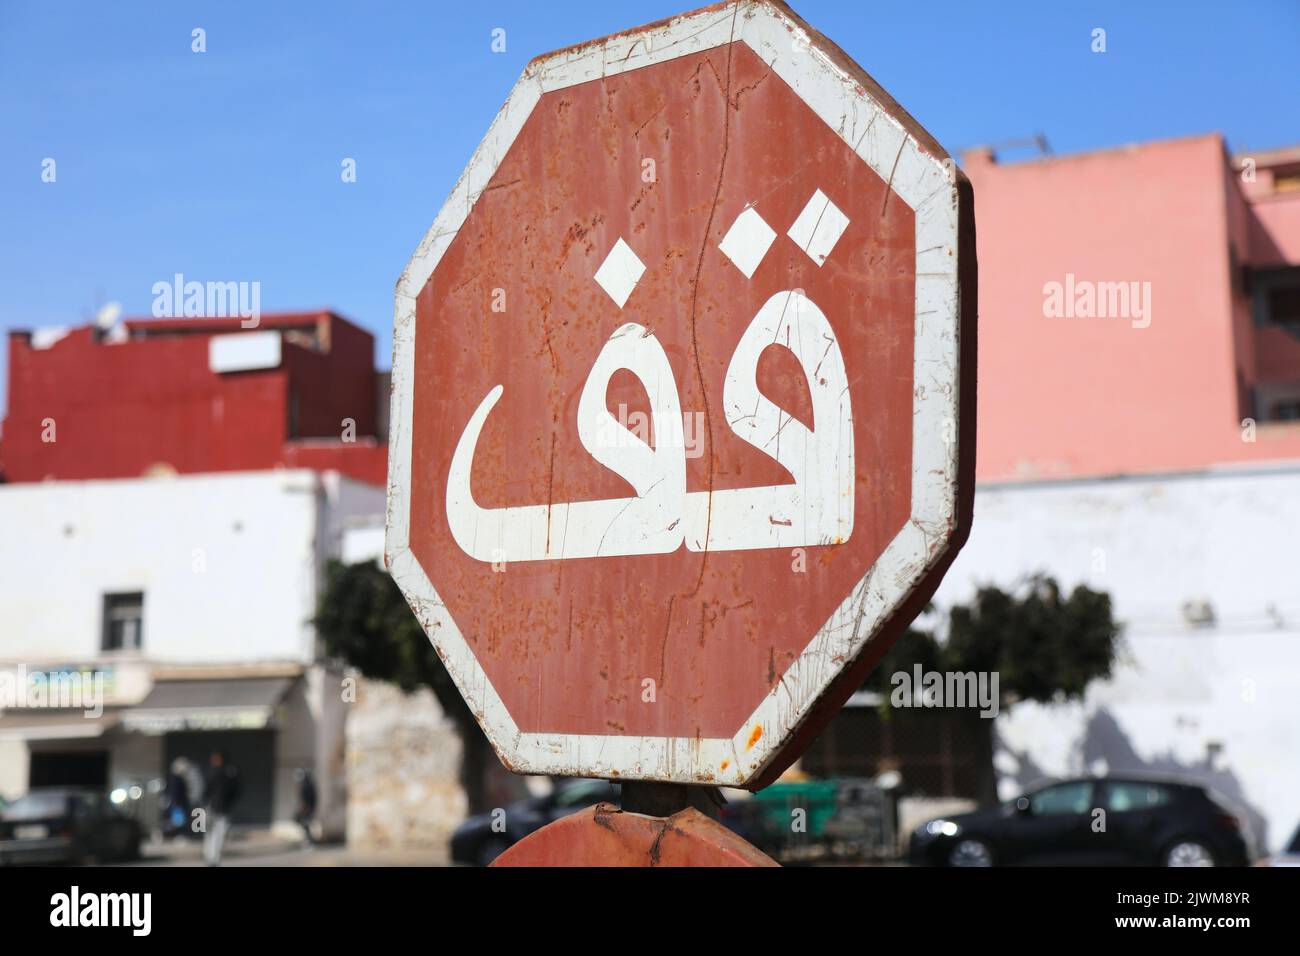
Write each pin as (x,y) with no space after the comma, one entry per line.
(364,621)
(1044,646)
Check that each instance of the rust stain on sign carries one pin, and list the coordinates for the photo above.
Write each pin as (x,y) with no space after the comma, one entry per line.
(605,836)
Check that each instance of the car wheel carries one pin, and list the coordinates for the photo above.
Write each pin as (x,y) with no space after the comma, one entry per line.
(1188,853)
(489,850)
(970,852)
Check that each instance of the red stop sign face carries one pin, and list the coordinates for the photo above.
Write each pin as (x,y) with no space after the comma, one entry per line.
(678,414)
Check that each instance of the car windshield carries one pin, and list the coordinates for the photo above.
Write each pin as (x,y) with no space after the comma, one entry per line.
(1063,798)
(37,806)
(1124,795)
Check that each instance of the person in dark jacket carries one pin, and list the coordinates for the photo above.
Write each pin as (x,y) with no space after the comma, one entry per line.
(220,794)
(306,802)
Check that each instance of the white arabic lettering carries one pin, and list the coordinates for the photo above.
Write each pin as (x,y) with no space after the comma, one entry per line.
(816,509)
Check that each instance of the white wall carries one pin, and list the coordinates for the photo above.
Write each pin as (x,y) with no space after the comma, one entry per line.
(228,563)
(363,543)
(1221,703)
(15,765)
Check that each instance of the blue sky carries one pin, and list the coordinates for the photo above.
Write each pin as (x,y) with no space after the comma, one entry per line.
(225,165)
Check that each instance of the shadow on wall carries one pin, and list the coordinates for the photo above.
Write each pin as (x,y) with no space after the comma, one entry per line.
(1105,741)
(1027,772)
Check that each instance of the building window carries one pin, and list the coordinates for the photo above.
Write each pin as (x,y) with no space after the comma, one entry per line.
(1286,181)
(1276,294)
(1282,307)
(123,621)
(1285,411)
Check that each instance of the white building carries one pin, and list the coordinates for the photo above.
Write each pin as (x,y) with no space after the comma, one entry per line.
(1204,573)
(183,606)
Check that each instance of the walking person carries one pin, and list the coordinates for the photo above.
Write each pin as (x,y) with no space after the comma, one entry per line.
(176,799)
(220,794)
(306,803)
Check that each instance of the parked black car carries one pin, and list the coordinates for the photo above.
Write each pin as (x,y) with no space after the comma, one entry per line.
(1147,822)
(481,839)
(66,825)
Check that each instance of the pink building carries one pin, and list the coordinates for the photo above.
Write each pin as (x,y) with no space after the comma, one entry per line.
(1139,433)
(1137,306)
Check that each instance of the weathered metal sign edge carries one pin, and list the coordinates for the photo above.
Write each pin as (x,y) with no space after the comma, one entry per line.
(909,569)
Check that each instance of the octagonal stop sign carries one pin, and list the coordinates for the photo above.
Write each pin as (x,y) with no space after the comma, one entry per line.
(683,382)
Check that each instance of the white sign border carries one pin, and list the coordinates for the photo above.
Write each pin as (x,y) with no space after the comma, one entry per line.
(919,179)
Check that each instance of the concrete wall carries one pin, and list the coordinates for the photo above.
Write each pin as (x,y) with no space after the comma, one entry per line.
(228,563)
(1218,702)
(14,766)
(403,766)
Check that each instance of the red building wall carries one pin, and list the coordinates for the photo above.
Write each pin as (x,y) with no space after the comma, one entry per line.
(119,410)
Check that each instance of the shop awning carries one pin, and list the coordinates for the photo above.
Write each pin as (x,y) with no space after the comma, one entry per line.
(228,704)
(55,724)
